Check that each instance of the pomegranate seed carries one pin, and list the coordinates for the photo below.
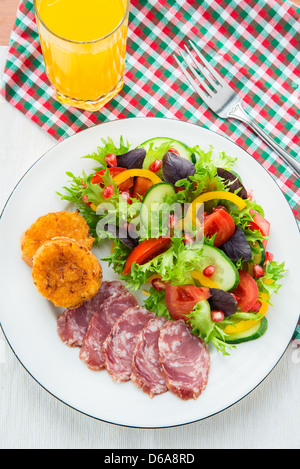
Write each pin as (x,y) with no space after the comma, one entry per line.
(108,191)
(126,196)
(258,271)
(235,296)
(158,284)
(256,306)
(188,239)
(111,160)
(155,166)
(209,270)
(217,316)
(173,219)
(269,257)
(173,150)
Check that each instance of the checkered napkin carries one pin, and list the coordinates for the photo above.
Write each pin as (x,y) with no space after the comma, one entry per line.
(253,43)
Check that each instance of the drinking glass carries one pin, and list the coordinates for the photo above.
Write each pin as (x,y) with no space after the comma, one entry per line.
(85,73)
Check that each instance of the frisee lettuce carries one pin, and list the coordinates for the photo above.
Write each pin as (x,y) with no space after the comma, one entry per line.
(210,331)
(269,283)
(106,148)
(156,302)
(118,256)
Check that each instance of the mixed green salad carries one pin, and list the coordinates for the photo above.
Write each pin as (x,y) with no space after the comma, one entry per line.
(185,231)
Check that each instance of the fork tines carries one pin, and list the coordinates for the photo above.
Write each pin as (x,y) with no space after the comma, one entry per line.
(195,67)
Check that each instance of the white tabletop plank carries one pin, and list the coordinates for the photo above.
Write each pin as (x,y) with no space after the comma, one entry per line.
(268,417)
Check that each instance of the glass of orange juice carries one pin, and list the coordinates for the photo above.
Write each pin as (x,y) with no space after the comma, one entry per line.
(84,46)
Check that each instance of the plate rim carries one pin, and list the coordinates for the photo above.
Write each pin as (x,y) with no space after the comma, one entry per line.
(77,134)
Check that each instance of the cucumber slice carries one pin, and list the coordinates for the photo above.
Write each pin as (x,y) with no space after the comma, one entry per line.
(226,275)
(182,149)
(153,200)
(258,257)
(253,333)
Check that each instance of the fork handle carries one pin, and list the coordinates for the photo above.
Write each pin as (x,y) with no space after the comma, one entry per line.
(237,112)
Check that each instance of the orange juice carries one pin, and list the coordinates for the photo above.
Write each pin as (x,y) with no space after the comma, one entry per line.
(84,46)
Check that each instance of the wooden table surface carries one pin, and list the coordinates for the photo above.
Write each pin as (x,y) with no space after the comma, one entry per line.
(8,10)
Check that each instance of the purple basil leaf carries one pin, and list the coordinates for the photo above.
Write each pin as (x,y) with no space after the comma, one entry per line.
(233,182)
(132,159)
(237,247)
(123,235)
(175,168)
(221,300)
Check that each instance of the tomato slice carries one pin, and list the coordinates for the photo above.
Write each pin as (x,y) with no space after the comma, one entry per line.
(181,299)
(262,225)
(146,251)
(141,186)
(221,224)
(246,292)
(97,178)
(126,185)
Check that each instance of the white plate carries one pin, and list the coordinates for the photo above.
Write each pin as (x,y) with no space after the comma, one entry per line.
(29,321)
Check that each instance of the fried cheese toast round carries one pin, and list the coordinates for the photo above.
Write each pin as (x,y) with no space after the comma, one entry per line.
(66,272)
(51,225)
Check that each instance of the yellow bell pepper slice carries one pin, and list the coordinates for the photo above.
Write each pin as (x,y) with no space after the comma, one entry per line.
(243,325)
(204,281)
(221,195)
(145,173)
(193,209)
(94,207)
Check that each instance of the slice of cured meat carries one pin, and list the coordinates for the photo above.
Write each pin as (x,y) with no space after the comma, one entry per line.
(72,323)
(145,371)
(119,346)
(184,360)
(100,326)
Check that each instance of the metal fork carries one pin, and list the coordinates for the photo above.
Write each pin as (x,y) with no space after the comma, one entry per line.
(222,99)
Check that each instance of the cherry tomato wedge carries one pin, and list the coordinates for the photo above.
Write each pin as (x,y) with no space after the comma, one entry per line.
(141,186)
(97,178)
(221,224)
(146,251)
(246,292)
(181,299)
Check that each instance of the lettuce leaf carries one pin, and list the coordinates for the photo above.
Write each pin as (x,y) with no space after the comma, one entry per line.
(174,265)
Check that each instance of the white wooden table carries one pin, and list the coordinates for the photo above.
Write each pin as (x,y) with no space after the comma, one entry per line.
(30,418)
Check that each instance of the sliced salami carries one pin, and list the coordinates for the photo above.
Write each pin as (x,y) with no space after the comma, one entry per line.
(100,326)
(184,360)
(119,346)
(72,324)
(145,370)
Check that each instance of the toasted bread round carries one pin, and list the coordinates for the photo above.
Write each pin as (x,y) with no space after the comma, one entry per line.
(55,224)
(66,272)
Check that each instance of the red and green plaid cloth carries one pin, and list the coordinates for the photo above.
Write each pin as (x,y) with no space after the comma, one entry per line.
(253,43)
